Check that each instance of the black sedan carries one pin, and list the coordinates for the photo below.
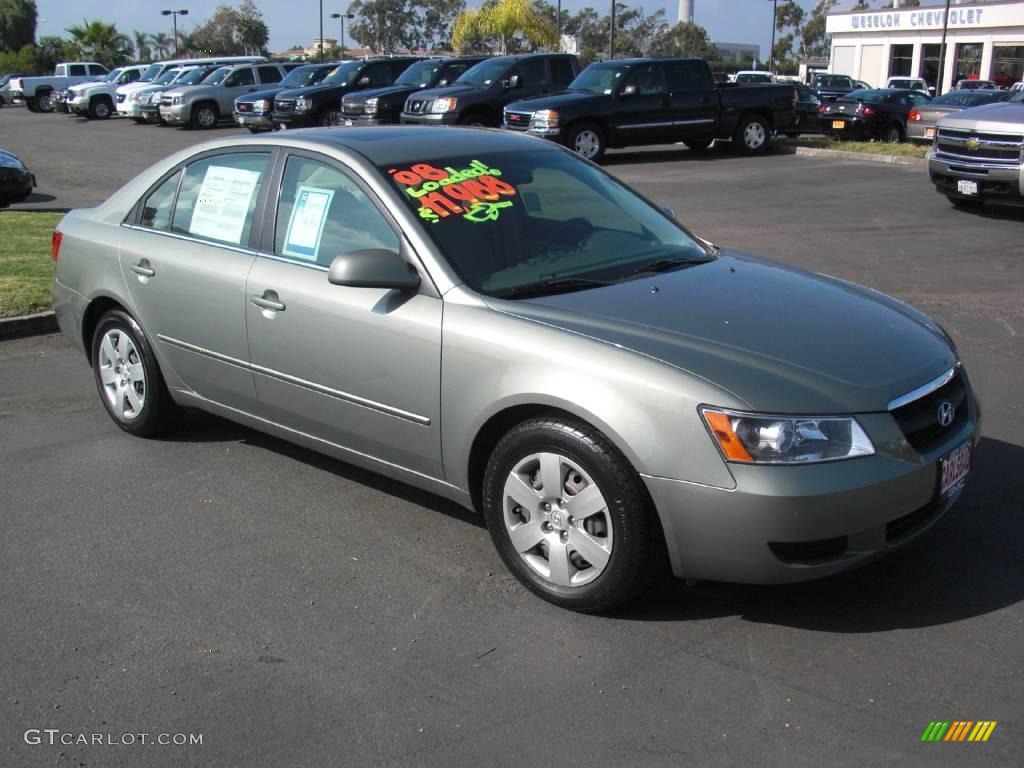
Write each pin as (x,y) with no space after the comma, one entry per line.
(873,113)
(16,182)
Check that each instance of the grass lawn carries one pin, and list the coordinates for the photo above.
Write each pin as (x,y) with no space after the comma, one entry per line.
(25,268)
(871,147)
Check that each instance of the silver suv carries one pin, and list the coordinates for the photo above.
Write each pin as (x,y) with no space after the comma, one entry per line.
(202,106)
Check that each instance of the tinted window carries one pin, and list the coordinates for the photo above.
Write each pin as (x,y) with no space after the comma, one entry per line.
(240,78)
(532,72)
(379,74)
(600,78)
(77,70)
(453,72)
(218,197)
(269,75)
(487,71)
(686,76)
(156,211)
(397,68)
(647,79)
(323,213)
(130,76)
(96,69)
(561,71)
(420,74)
(919,98)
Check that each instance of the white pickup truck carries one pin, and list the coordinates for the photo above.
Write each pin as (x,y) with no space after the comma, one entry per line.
(37,91)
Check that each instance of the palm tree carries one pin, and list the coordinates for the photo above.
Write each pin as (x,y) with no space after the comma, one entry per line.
(142,49)
(162,45)
(503,20)
(102,42)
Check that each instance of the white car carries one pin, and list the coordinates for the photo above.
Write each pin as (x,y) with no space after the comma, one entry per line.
(910,83)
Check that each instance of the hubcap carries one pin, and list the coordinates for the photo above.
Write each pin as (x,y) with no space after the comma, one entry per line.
(122,374)
(44,102)
(102,110)
(206,118)
(587,144)
(557,519)
(754,135)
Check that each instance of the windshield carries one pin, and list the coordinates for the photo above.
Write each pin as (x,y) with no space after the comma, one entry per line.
(112,76)
(151,72)
(168,76)
(420,74)
(485,72)
(303,76)
(519,223)
(829,81)
(599,78)
(343,73)
(962,99)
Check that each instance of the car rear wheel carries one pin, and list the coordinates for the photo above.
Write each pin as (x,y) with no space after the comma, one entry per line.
(586,140)
(204,116)
(893,134)
(44,102)
(752,135)
(570,517)
(127,376)
(30,105)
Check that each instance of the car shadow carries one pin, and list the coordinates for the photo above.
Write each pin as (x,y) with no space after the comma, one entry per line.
(969,564)
(993,212)
(669,153)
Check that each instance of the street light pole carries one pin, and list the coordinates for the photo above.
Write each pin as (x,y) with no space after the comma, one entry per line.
(174,15)
(558,26)
(343,16)
(611,34)
(321,44)
(942,52)
(771,51)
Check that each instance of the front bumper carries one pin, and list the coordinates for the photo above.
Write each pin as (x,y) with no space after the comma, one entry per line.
(254,120)
(294,119)
(78,105)
(998,183)
(430,118)
(794,523)
(919,131)
(150,113)
(364,119)
(176,114)
(128,108)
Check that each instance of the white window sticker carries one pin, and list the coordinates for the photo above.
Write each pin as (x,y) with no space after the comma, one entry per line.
(223,203)
(306,224)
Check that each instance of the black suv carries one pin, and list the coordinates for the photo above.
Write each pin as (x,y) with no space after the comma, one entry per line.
(480,95)
(318,104)
(383,106)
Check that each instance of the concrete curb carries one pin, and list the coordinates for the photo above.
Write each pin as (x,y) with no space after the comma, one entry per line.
(841,155)
(27,325)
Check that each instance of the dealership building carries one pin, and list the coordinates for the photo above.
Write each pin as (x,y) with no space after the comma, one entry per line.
(984,40)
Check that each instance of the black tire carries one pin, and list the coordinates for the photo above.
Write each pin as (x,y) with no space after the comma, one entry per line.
(30,104)
(259,130)
(477,119)
(327,117)
(752,135)
(587,140)
(44,102)
(637,549)
(966,203)
(698,145)
(893,134)
(100,109)
(204,116)
(157,408)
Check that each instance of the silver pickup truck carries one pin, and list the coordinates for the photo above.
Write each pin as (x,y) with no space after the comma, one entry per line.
(978,155)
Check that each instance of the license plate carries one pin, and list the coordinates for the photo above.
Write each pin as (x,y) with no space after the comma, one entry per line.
(839,124)
(929,133)
(953,470)
(967,187)
(283,126)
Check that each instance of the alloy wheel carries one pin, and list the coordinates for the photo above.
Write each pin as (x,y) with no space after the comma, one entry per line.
(557,519)
(122,374)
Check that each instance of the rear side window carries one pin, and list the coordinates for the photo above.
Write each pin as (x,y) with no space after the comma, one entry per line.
(397,68)
(378,74)
(686,76)
(156,211)
(452,72)
(76,70)
(561,72)
(532,73)
(217,199)
(269,74)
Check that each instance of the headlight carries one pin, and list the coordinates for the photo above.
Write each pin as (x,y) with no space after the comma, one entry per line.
(371,106)
(749,438)
(178,100)
(544,118)
(445,104)
(262,106)
(301,104)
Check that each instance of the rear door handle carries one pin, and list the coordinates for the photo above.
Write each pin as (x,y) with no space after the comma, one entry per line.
(143,269)
(268,301)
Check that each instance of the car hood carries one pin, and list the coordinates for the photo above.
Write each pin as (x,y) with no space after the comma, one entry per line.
(456,90)
(777,338)
(999,116)
(397,91)
(269,93)
(189,90)
(546,101)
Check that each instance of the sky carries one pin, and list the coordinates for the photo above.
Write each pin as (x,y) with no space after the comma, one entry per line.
(295,21)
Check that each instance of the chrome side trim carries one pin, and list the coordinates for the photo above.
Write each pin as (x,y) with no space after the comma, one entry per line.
(187,238)
(925,390)
(646,125)
(320,388)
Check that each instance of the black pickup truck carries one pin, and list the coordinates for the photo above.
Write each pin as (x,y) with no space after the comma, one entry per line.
(629,102)
(383,106)
(318,104)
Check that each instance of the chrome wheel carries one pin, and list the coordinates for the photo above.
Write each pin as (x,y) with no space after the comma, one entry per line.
(101,110)
(754,135)
(44,102)
(587,144)
(557,519)
(122,374)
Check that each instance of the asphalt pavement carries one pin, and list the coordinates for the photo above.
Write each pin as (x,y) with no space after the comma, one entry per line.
(296,611)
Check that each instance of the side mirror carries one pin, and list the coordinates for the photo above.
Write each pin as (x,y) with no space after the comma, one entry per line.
(512,82)
(373,268)
(364,80)
(629,90)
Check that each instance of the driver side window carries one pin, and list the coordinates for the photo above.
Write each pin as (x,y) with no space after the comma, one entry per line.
(647,79)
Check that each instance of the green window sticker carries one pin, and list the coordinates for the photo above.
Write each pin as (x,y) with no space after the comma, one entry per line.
(474,193)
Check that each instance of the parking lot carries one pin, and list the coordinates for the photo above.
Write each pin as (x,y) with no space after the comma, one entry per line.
(296,611)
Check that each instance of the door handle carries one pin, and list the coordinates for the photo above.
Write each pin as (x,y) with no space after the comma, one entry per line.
(143,269)
(268,301)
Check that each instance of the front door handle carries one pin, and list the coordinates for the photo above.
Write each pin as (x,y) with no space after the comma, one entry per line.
(268,301)
(143,269)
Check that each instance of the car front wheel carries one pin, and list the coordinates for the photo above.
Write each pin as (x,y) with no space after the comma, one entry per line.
(586,140)
(204,116)
(127,376)
(570,517)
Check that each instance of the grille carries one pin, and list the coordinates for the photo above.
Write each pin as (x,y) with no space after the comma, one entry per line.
(284,105)
(417,106)
(919,420)
(518,121)
(244,107)
(902,527)
(352,109)
(999,148)
(809,551)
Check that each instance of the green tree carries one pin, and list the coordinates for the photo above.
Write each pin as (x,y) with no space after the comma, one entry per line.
(17,24)
(684,39)
(385,26)
(510,23)
(252,31)
(50,51)
(219,35)
(99,41)
(788,16)
(434,20)
(813,40)
(162,44)
(25,61)
(142,50)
